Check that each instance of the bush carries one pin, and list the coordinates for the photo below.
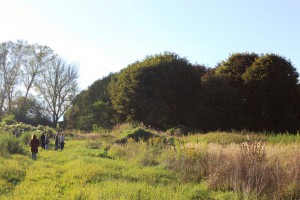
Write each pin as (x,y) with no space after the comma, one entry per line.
(19,128)
(9,144)
(190,161)
(26,137)
(117,151)
(8,120)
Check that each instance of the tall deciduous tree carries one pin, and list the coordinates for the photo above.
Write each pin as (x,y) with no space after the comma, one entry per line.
(11,59)
(57,87)
(37,58)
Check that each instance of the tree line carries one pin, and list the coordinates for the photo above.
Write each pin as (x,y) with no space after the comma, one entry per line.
(37,86)
(247,91)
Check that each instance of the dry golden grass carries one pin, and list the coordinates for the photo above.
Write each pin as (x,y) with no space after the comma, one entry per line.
(251,169)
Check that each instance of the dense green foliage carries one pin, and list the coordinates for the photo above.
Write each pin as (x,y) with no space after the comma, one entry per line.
(159,91)
(13,135)
(271,86)
(29,111)
(92,107)
(235,66)
(9,144)
(266,87)
(246,91)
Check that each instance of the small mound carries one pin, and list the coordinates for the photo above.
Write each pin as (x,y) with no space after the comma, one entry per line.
(137,134)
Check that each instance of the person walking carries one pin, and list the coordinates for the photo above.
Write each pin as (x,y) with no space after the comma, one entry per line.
(34,144)
(43,140)
(47,141)
(56,141)
(62,142)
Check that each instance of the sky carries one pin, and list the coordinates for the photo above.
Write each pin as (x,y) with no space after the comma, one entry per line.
(105,36)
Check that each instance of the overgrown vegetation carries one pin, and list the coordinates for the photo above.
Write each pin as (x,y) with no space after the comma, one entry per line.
(217,165)
(9,144)
(194,132)
(247,91)
(13,136)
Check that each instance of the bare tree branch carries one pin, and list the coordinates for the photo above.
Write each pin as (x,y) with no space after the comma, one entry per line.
(57,87)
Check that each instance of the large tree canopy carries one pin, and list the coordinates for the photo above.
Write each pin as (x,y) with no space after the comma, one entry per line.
(245,91)
(30,111)
(271,84)
(235,66)
(158,91)
(92,107)
(58,87)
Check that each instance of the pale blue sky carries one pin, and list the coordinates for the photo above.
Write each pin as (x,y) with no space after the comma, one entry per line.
(106,35)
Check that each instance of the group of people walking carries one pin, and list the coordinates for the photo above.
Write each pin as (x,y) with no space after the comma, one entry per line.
(44,141)
(59,141)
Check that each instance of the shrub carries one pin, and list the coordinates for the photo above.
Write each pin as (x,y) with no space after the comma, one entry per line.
(8,120)
(9,144)
(26,137)
(190,161)
(49,130)
(19,128)
(117,151)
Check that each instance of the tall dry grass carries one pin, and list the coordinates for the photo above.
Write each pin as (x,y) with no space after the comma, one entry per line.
(253,170)
(247,166)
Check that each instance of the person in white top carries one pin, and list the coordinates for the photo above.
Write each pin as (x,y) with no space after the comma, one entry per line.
(47,141)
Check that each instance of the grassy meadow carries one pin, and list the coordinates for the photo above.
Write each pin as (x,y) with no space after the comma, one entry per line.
(119,165)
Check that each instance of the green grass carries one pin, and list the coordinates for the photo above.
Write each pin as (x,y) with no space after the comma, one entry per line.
(79,172)
(284,138)
(225,138)
(95,167)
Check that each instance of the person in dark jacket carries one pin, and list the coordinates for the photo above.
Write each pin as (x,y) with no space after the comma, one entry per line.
(56,141)
(34,143)
(43,140)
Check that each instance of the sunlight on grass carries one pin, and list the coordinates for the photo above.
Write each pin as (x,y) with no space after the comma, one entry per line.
(206,166)
(79,173)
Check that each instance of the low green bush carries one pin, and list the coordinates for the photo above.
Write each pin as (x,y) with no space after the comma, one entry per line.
(8,120)
(9,144)
(18,129)
(26,137)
